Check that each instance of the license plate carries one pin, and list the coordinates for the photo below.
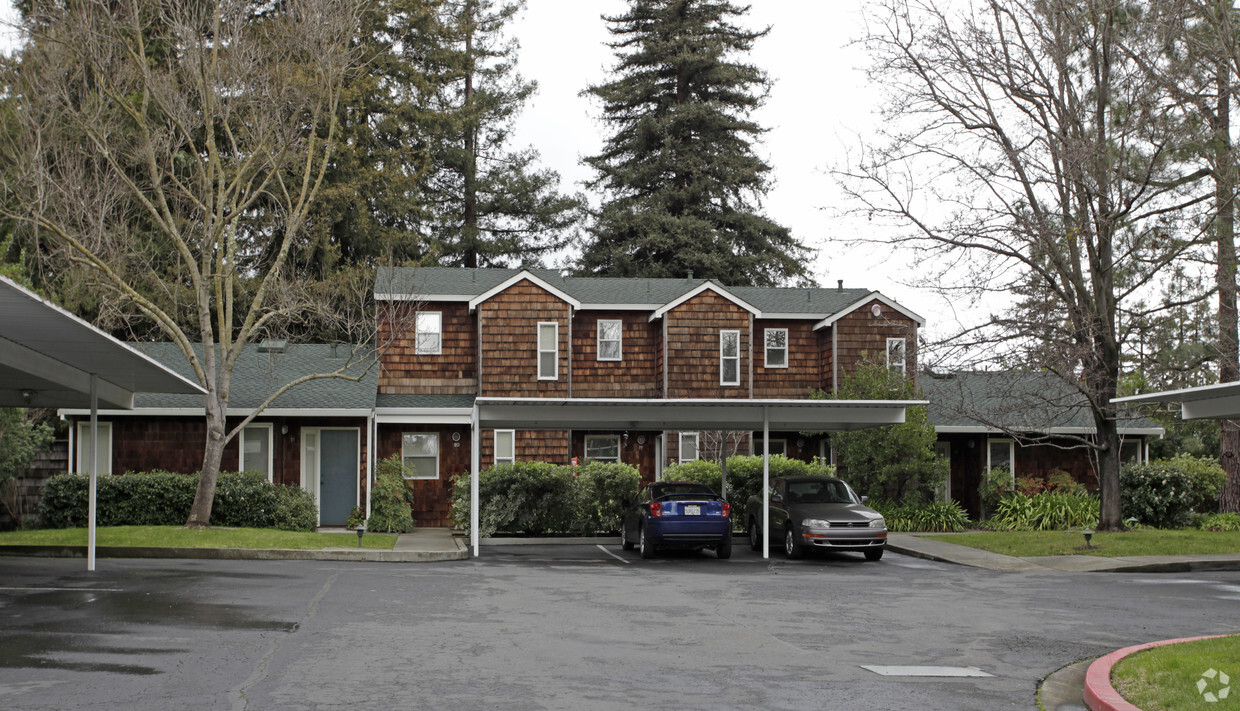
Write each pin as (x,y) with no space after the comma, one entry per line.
(693,510)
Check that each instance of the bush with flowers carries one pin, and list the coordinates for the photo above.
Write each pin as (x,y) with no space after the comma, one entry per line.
(1158,494)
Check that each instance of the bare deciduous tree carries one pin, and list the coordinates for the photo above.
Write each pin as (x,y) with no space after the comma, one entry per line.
(161,146)
(1029,158)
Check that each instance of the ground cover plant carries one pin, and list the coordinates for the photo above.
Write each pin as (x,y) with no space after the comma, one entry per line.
(1179,676)
(1024,544)
(1045,511)
(936,517)
(180,537)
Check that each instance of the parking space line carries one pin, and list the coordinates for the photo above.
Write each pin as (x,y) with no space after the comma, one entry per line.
(2,588)
(613,555)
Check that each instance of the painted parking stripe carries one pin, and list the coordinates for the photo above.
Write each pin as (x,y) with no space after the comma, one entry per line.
(925,671)
(63,589)
(613,555)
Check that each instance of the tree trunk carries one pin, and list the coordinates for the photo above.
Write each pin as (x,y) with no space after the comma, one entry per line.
(204,498)
(1225,235)
(1111,517)
(469,218)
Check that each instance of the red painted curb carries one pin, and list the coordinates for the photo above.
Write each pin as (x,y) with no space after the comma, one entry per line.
(1100,695)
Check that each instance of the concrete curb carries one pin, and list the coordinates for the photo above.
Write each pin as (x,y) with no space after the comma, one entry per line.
(1100,695)
(327,554)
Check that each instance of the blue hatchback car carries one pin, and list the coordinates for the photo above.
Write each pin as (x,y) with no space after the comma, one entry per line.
(677,514)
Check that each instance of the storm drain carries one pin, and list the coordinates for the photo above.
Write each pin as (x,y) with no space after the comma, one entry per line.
(925,671)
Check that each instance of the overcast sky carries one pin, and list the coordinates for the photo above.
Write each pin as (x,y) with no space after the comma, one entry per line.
(818,109)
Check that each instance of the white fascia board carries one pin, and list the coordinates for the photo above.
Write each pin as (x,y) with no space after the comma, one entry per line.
(790,317)
(422,297)
(232,412)
(619,307)
(982,429)
(873,295)
(515,278)
(705,286)
(424,415)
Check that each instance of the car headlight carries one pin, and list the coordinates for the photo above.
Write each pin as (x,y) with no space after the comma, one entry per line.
(815,523)
(878,523)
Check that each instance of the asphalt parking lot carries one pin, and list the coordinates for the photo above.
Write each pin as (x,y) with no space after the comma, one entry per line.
(571,627)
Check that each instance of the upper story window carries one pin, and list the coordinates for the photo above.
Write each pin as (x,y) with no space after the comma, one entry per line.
(505,446)
(776,348)
(609,337)
(729,357)
(428,333)
(896,355)
(548,350)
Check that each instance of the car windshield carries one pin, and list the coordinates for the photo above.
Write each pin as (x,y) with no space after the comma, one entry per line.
(681,491)
(819,492)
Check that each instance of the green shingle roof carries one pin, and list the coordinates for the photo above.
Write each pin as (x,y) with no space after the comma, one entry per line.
(257,375)
(431,282)
(1016,401)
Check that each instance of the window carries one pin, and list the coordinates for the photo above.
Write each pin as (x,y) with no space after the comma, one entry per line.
(688,446)
(896,355)
(420,452)
(505,446)
(428,335)
(548,350)
(604,448)
(103,456)
(943,450)
(776,348)
(256,449)
(1132,451)
(778,446)
(1001,454)
(609,335)
(729,357)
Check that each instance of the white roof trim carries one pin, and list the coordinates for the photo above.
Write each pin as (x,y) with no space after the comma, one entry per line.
(705,286)
(232,412)
(424,415)
(1220,401)
(519,276)
(619,307)
(873,295)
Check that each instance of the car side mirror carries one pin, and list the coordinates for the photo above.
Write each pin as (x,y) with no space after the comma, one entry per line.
(777,499)
(865,499)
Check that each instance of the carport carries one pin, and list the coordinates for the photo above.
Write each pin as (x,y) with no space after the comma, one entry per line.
(655,414)
(1212,402)
(51,358)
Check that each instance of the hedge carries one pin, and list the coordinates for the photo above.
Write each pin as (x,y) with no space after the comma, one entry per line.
(159,498)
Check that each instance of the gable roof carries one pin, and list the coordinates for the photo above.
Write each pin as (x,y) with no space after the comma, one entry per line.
(705,286)
(872,296)
(1014,401)
(620,293)
(524,275)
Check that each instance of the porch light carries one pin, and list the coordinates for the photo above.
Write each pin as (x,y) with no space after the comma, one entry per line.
(361,530)
(1088,535)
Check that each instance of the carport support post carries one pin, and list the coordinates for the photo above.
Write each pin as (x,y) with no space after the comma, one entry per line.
(475,457)
(766,483)
(94,475)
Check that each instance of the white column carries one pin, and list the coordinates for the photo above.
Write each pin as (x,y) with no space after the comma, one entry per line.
(94,474)
(766,483)
(475,459)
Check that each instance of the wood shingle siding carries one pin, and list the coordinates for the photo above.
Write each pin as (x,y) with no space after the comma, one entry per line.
(803,373)
(635,375)
(402,370)
(508,324)
(693,347)
(860,334)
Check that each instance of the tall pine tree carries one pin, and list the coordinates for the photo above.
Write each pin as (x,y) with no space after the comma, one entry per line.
(682,185)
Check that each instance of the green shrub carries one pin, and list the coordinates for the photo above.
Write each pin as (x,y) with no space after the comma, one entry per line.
(698,471)
(1158,494)
(523,497)
(390,501)
(995,484)
(1057,481)
(1220,522)
(1047,511)
(936,516)
(599,492)
(1207,477)
(158,498)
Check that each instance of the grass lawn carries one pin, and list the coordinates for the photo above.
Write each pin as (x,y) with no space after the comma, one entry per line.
(177,537)
(1166,678)
(1025,544)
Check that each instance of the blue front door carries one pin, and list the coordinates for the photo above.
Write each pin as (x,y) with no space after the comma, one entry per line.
(337,476)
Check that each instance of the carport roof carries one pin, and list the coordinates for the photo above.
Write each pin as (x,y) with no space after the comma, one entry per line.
(657,414)
(50,354)
(1220,401)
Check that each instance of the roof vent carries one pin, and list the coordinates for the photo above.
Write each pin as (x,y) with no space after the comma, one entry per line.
(839,285)
(273,345)
(690,275)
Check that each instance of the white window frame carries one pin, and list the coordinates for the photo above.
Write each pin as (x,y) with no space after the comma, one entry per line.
(105,442)
(758,450)
(554,350)
(241,465)
(611,438)
(1011,443)
(1142,454)
(511,456)
(766,336)
(725,358)
(697,446)
(404,456)
(618,340)
(418,332)
(899,365)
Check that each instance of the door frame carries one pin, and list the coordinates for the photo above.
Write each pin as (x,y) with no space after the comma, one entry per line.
(311,483)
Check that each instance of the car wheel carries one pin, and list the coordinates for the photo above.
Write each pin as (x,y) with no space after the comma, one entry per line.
(755,536)
(646,546)
(625,543)
(874,554)
(724,549)
(792,547)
